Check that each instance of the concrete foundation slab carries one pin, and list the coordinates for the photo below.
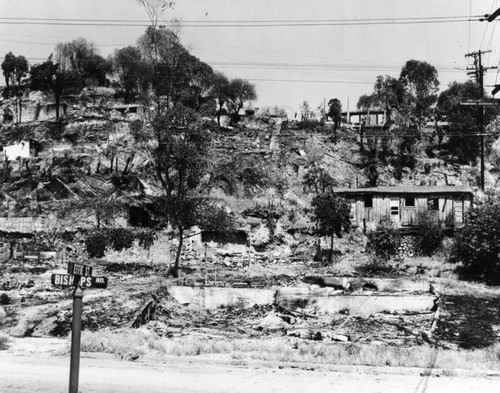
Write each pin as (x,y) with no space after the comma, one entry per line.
(209,298)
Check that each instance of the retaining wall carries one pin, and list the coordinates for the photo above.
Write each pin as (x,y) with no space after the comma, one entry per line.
(317,300)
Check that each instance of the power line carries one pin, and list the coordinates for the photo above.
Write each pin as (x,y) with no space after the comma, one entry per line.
(445,17)
(260,23)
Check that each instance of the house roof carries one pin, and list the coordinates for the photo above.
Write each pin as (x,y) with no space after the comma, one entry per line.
(406,190)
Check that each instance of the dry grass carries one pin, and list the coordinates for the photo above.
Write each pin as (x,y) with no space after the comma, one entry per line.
(4,341)
(143,342)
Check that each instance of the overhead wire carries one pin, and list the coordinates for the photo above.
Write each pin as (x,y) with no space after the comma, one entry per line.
(242,23)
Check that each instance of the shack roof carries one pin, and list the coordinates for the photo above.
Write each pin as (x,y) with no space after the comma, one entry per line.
(405,190)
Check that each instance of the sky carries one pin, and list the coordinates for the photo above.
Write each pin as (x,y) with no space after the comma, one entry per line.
(292,50)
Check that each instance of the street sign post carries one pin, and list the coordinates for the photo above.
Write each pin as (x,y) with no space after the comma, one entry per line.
(79,277)
(76,331)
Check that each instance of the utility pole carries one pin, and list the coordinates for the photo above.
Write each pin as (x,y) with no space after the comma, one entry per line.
(478,72)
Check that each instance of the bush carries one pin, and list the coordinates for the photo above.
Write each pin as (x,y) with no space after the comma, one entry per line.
(146,238)
(429,234)
(120,238)
(385,240)
(477,244)
(96,243)
(117,238)
(5,299)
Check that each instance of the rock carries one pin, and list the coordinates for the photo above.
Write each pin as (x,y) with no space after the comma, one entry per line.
(45,327)
(271,322)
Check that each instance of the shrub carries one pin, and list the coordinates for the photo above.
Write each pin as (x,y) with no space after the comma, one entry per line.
(120,238)
(376,266)
(5,299)
(146,238)
(429,234)
(385,240)
(96,243)
(477,244)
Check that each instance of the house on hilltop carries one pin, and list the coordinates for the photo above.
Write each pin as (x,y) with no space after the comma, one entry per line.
(403,203)
(131,111)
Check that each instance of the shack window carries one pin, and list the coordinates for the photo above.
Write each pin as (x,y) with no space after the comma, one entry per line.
(368,201)
(433,204)
(394,206)
(410,201)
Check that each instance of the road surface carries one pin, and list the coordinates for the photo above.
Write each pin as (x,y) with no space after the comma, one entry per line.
(21,374)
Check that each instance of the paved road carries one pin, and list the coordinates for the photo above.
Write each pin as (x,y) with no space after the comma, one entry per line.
(19,374)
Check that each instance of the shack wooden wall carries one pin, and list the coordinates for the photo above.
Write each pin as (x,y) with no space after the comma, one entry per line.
(454,205)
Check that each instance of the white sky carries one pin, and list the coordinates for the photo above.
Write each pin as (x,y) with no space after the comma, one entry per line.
(343,61)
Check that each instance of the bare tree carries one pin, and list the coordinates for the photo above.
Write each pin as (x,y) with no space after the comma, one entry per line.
(155,9)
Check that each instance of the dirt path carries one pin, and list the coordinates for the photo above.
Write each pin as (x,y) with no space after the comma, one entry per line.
(20,374)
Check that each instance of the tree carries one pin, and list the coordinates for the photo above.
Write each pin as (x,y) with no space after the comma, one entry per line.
(8,66)
(365,103)
(420,80)
(388,94)
(332,215)
(463,121)
(132,71)
(80,58)
(220,91)
(477,244)
(239,92)
(319,179)
(306,113)
(163,51)
(335,112)
(15,69)
(49,77)
(102,210)
(180,162)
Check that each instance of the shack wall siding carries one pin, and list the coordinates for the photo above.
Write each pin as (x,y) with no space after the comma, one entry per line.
(381,208)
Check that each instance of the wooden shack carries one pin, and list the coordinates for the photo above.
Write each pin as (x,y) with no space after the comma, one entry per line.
(403,203)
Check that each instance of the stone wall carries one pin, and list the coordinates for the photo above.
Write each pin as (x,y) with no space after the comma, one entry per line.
(407,246)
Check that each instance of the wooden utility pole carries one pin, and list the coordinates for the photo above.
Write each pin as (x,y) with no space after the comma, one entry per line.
(478,72)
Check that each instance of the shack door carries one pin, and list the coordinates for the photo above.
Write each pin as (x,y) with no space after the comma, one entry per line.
(408,211)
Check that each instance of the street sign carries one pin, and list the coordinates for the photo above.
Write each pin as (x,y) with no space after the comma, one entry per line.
(68,280)
(79,269)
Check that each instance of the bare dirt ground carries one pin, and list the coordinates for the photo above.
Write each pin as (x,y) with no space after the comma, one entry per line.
(35,308)
(20,374)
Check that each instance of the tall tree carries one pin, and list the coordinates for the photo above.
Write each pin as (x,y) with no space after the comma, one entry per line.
(240,91)
(420,80)
(332,216)
(388,94)
(155,9)
(335,112)
(80,57)
(49,78)
(132,71)
(220,91)
(463,120)
(180,163)
(15,69)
